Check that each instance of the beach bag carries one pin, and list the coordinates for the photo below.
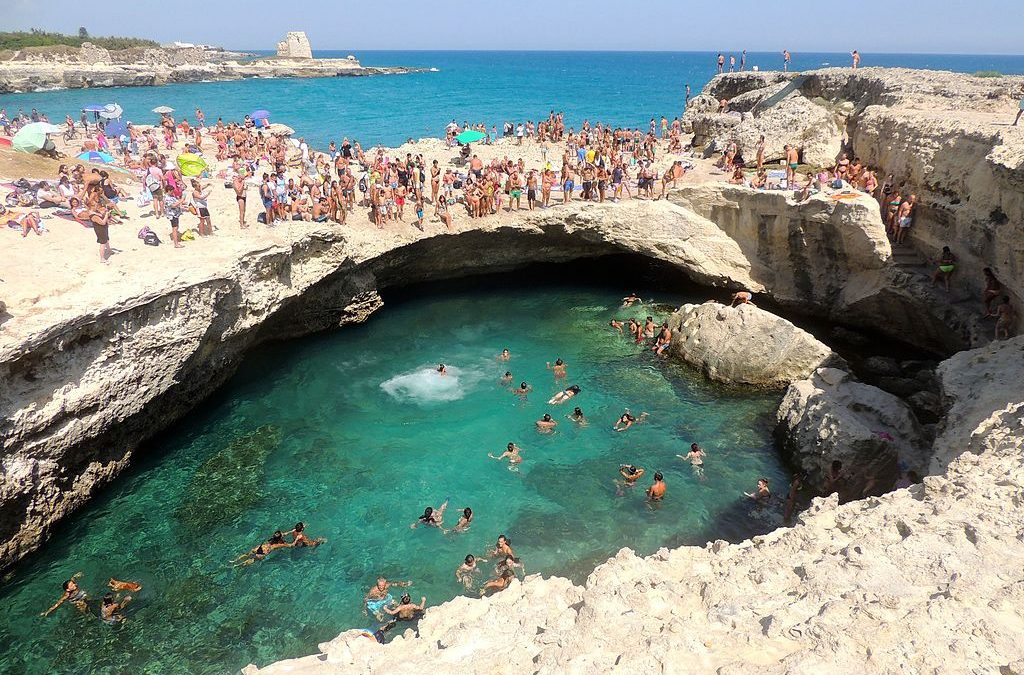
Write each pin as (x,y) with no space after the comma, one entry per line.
(362,185)
(151,239)
(188,235)
(152,183)
(144,231)
(144,198)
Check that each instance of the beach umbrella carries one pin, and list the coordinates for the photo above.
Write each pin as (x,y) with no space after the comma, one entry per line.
(469,136)
(260,114)
(115,129)
(191,165)
(94,107)
(32,137)
(96,157)
(111,111)
(163,110)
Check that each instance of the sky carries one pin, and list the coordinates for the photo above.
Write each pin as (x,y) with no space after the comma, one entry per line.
(889,26)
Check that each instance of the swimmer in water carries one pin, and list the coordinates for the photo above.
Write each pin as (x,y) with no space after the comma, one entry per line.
(262,550)
(564,395)
(630,475)
(506,379)
(695,456)
(545,425)
(512,452)
(441,369)
(73,594)
(616,325)
(300,540)
(467,571)
(406,610)
(631,300)
(464,521)
(627,420)
(499,584)
(649,328)
(512,563)
(656,492)
(577,417)
(635,331)
(505,355)
(523,389)
(558,368)
(503,547)
(762,495)
(118,586)
(431,517)
(110,607)
(379,596)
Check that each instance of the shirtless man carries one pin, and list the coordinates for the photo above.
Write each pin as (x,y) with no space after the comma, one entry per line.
(856,58)
(664,339)
(656,492)
(631,300)
(558,369)
(73,594)
(546,425)
(650,328)
(905,218)
(406,610)
(630,475)
(239,185)
(786,59)
(792,162)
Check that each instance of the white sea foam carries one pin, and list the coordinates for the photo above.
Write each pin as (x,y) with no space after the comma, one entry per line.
(425,385)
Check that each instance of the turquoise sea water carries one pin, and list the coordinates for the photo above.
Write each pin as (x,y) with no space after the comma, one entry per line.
(354,433)
(620,88)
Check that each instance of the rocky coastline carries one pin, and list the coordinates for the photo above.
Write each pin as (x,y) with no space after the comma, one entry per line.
(925,578)
(90,66)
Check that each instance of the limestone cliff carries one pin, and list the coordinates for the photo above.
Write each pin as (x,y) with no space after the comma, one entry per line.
(946,135)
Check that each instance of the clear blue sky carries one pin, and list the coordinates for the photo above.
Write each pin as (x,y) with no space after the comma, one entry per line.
(977,27)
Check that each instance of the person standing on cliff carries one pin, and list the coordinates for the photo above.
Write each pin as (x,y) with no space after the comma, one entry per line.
(905,218)
(786,59)
(1020,111)
(721,63)
(856,58)
(732,63)
(743,61)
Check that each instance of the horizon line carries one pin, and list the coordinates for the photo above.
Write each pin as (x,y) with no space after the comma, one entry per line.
(642,51)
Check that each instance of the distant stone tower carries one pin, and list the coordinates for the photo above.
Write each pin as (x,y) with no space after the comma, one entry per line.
(295,45)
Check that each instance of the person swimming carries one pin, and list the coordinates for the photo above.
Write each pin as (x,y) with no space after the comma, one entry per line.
(109,608)
(626,420)
(545,424)
(564,395)
(631,300)
(467,571)
(500,583)
(406,610)
(616,325)
(506,379)
(695,456)
(264,548)
(503,547)
(379,596)
(72,594)
(116,585)
(630,474)
(762,495)
(505,355)
(558,368)
(512,452)
(432,517)
(656,492)
(577,416)
(441,369)
(299,538)
(464,521)
(523,389)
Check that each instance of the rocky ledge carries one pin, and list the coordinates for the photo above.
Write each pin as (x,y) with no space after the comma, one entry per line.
(47,68)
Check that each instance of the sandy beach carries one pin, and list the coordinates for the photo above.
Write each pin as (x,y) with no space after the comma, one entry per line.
(59,273)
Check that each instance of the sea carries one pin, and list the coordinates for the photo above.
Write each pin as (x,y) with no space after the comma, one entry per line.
(618,88)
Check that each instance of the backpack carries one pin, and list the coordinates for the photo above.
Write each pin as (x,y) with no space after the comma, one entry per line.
(152,182)
(151,239)
(362,185)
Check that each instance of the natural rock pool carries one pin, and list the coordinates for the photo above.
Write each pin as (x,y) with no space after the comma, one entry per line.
(354,433)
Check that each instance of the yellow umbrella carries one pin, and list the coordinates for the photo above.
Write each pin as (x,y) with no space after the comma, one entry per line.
(191,165)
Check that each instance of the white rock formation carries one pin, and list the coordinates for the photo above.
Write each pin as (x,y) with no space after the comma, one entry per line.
(295,46)
(829,417)
(920,580)
(745,345)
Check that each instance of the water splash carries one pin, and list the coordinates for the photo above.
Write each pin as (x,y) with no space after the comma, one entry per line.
(425,386)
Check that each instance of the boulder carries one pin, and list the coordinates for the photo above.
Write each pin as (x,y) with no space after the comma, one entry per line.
(745,345)
(830,416)
(881,366)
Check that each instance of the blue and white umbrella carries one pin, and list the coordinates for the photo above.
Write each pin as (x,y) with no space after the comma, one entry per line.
(260,114)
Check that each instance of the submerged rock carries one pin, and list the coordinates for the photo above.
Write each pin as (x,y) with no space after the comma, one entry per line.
(830,416)
(746,345)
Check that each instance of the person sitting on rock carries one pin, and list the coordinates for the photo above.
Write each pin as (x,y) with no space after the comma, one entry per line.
(835,479)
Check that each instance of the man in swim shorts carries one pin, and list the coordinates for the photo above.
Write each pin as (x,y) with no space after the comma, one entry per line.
(656,492)
(905,218)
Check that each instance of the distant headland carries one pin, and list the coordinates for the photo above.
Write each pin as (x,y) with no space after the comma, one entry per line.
(52,61)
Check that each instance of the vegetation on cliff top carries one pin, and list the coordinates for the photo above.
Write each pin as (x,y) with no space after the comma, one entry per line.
(39,38)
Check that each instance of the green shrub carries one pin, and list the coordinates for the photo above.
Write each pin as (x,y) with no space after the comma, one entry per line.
(38,38)
(988,73)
